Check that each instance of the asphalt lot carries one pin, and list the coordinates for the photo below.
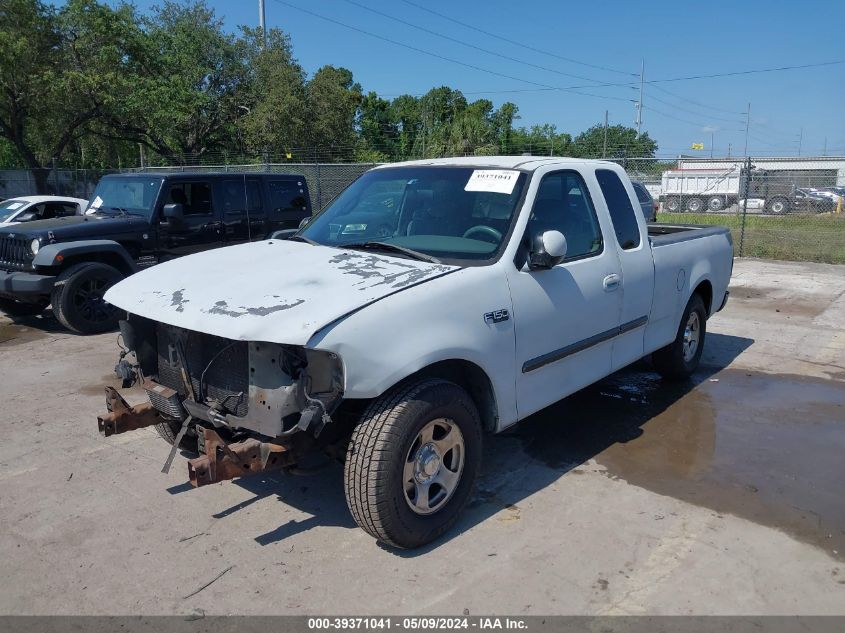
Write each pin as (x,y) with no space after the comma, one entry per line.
(720,496)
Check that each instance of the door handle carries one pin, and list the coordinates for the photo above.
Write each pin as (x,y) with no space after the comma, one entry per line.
(612,282)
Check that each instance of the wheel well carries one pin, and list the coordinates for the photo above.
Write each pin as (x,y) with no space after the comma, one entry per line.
(474,380)
(112,259)
(705,290)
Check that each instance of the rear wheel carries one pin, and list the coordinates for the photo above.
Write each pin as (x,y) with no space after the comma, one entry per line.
(680,358)
(412,462)
(695,205)
(672,204)
(715,203)
(23,308)
(78,298)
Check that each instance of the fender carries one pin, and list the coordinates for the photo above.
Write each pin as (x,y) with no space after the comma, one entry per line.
(53,254)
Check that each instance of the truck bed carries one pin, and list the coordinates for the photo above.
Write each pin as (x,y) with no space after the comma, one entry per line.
(664,234)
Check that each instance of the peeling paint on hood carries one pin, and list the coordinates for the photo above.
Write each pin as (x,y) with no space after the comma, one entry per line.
(275,291)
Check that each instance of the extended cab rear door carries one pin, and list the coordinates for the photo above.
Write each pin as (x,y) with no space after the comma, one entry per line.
(565,318)
(630,239)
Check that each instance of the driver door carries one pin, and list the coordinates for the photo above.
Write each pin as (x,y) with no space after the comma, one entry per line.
(563,316)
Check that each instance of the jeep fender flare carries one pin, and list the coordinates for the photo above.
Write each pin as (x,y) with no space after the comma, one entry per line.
(51,255)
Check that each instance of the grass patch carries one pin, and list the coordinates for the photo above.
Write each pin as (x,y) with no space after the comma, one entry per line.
(811,238)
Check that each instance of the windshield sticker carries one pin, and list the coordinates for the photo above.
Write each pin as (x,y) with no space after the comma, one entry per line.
(96,202)
(15,205)
(493,180)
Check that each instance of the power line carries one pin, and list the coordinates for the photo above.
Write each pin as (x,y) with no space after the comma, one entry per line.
(697,103)
(573,90)
(677,107)
(462,43)
(515,43)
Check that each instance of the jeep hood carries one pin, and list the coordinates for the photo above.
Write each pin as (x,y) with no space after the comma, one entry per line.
(275,291)
(75,227)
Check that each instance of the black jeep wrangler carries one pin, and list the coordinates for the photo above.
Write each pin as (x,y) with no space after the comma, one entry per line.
(134,221)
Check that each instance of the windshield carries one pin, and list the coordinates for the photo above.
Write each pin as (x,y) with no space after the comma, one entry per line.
(134,194)
(460,213)
(10,208)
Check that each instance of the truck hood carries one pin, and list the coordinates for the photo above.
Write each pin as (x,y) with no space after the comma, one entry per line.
(275,291)
(76,227)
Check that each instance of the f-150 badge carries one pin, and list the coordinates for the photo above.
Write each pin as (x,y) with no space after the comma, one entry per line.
(497,316)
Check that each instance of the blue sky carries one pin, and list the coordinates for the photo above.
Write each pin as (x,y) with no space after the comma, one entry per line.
(676,39)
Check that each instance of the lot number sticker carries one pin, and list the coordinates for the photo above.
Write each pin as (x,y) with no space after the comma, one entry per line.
(494,180)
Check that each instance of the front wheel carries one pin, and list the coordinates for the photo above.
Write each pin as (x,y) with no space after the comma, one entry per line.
(78,298)
(680,358)
(412,462)
(778,206)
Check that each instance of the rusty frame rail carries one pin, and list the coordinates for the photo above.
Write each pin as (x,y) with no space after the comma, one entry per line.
(122,418)
(226,461)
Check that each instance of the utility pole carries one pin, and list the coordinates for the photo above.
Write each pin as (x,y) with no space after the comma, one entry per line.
(711,143)
(824,151)
(747,123)
(800,140)
(730,146)
(261,23)
(604,147)
(640,102)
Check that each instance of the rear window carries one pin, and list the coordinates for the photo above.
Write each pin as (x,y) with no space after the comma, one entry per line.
(642,192)
(240,195)
(287,195)
(621,211)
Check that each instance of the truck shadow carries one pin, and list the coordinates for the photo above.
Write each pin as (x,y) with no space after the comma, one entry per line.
(536,453)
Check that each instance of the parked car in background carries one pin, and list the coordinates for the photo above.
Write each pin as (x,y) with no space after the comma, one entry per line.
(135,221)
(499,286)
(647,204)
(31,208)
(808,200)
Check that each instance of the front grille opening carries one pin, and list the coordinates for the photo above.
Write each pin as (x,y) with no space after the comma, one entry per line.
(225,363)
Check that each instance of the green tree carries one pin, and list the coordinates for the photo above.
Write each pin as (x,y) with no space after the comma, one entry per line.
(333,99)
(182,104)
(378,130)
(272,105)
(622,142)
(60,71)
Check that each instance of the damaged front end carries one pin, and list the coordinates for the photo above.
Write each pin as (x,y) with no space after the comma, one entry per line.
(250,406)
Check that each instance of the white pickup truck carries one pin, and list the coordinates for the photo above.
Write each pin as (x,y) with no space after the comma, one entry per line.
(430,302)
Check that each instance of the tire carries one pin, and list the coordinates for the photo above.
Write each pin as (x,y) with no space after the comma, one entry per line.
(78,298)
(23,308)
(672,204)
(715,203)
(673,362)
(777,206)
(390,453)
(170,429)
(695,205)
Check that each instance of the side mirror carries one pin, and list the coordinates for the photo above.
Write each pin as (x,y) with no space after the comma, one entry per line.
(27,216)
(547,250)
(174,211)
(283,234)
(304,221)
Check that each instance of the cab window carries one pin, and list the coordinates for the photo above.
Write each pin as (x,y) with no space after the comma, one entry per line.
(621,211)
(240,195)
(195,197)
(564,205)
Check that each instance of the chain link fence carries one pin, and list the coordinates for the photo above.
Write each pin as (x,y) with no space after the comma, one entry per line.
(777,208)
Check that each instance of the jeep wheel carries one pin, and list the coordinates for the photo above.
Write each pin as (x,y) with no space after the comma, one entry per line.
(78,298)
(23,308)
(412,462)
(680,358)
